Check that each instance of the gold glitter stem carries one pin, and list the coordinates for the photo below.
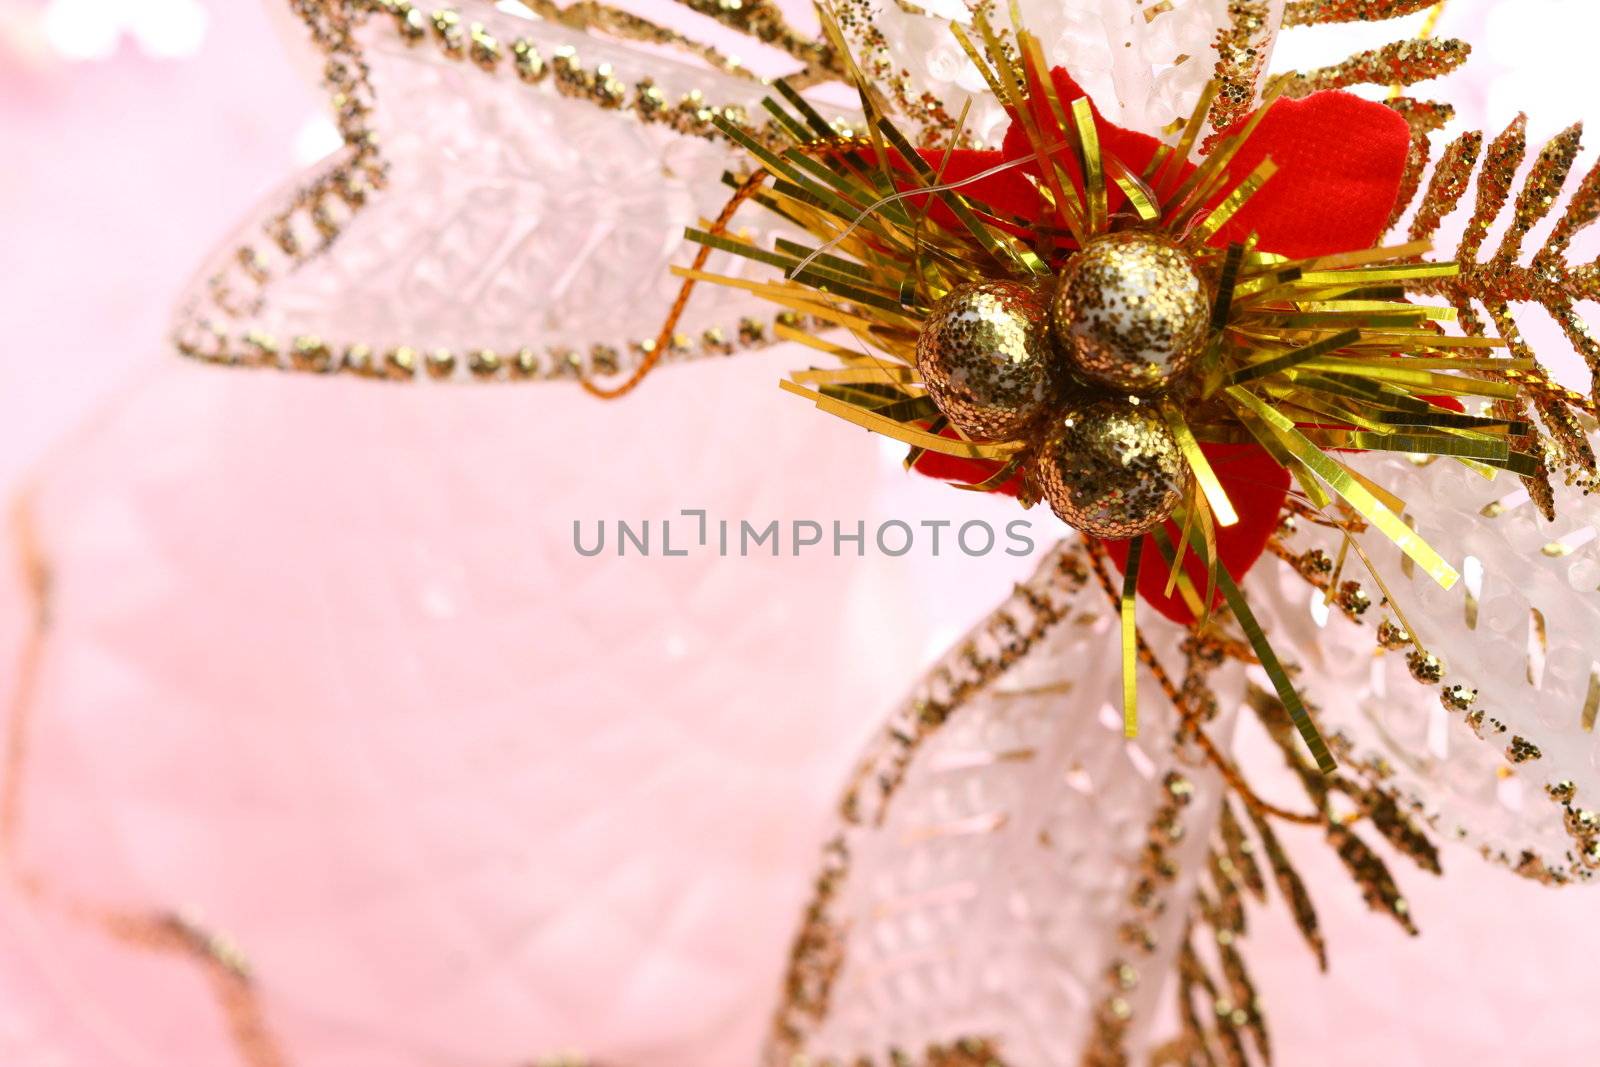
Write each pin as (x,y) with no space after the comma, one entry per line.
(748,188)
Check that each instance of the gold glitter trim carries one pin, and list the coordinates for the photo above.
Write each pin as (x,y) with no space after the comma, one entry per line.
(225,969)
(963,1052)
(764,21)
(1157,870)
(591,17)
(1380,803)
(34,569)
(224,966)
(317,213)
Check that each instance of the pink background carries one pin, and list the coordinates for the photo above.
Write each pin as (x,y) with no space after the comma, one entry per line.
(330,680)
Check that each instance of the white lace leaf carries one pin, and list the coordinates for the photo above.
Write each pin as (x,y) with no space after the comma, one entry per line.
(989,895)
(522,226)
(1518,629)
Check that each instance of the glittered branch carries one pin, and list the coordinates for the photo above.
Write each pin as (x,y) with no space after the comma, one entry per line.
(1316,12)
(1365,867)
(1293,889)
(1397,63)
(589,16)
(1242,46)
(764,20)
(1488,285)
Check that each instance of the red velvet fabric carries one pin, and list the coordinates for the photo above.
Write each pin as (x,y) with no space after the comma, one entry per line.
(1340,161)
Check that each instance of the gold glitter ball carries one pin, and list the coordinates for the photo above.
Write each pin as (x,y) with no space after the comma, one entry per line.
(1110,468)
(985,356)
(1131,312)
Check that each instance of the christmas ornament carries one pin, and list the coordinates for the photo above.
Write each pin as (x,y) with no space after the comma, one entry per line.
(1111,468)
(1131,312)
(986,358)
(1237,278)
(1049,847)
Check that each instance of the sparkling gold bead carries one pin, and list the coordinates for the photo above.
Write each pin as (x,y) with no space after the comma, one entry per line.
(1425,666)
(1315,563)
(1352,599)
(1393,636)
(1110,468)
(1581,822)
(985,356)
(1521,750)
(1131,312)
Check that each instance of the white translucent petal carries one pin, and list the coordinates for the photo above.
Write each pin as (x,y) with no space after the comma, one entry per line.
(1518,568)
(988,897)
(1144,65)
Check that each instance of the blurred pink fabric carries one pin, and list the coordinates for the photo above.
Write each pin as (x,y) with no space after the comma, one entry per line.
(325,676)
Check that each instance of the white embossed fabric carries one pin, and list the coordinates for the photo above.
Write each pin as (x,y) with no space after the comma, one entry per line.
(1517,629)
(510,217)
(988,895)
(1144,66)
